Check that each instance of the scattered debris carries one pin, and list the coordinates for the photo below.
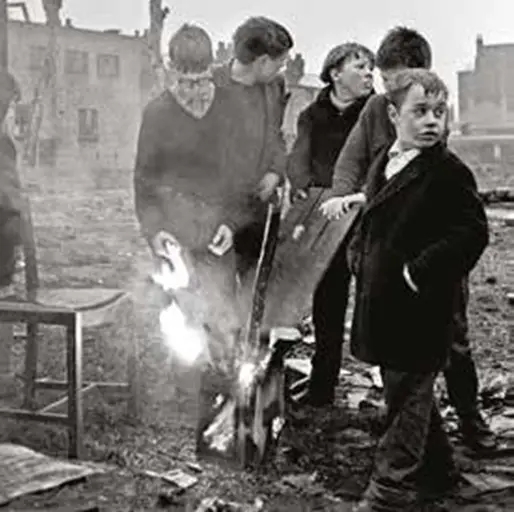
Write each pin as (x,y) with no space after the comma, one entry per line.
(219,505)
(494,389)
(193,466)
(502,426)
(497,468)
(356,397)
(169,498)
(175,477)
(180,479)
(376,377)
(304,482)
(485,483)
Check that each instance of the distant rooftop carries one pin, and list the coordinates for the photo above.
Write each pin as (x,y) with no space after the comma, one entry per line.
(311,80)
(68,25)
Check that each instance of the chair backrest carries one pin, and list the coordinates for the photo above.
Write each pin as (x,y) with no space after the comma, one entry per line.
(29,250)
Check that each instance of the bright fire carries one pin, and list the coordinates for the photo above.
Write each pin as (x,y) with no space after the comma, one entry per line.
(186,342)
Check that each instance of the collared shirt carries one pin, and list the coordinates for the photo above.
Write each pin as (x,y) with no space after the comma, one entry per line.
(399,159)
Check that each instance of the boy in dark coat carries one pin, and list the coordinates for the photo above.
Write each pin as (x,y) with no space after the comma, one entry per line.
(423,227)
(405,48)
(323,128)
(10,189)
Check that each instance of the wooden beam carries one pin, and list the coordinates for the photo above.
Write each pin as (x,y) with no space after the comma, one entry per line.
(74,371)
(17,414)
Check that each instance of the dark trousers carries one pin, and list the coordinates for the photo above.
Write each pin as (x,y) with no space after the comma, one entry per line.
(328,313)
(329,309)
(461,374)
(413,448)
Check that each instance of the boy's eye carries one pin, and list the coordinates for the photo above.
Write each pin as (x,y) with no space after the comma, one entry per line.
(420,111)
(439,112)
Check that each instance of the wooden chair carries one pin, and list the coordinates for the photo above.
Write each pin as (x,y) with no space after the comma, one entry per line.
(74,309)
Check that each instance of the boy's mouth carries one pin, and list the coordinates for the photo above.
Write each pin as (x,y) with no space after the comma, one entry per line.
(428,135)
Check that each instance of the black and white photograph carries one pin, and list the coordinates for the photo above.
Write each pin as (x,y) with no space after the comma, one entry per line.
(256,256)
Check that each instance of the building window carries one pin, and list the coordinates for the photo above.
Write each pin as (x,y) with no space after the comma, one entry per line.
(88,124)
(22,120)
(37,56)
(47,152)
(76,63)
(108,66)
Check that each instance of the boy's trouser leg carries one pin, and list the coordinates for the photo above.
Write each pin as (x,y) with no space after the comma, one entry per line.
(461,375)
(412,439)
(462,380)
(329,309)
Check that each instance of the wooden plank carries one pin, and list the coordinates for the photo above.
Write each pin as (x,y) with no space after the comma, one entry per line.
(6,343)
(74,371)
(60,406)
(113,387)
(30,375)
(27,312)
(299,263)
(18,414)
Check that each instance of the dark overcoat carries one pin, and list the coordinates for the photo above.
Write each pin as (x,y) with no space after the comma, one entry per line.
(430,218)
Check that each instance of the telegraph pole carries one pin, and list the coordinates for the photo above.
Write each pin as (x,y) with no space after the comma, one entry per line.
(4,48)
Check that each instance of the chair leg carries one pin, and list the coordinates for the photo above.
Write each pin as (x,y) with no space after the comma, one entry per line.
(133,403)
(31,357)
(74,370)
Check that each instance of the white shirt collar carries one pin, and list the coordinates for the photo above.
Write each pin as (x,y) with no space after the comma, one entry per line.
(395,150)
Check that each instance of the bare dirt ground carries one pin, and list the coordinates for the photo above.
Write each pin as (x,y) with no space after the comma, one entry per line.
(87,235)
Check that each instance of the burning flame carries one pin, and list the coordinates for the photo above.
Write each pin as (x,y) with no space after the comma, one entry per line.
(187,342)
(173,273)
(247,374)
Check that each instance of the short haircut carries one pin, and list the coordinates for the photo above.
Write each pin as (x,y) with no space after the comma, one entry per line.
(402,81)
(9,91)
(337,56)
(403,47)
(190,49)
(260,36)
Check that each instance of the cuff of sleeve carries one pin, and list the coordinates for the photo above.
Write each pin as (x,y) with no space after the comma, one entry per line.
(408,279)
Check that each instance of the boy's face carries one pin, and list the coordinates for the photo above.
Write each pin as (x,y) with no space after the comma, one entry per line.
(355,75)
(387,74)
(420,122)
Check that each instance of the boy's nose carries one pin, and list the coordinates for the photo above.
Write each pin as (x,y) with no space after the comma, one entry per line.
(430,118)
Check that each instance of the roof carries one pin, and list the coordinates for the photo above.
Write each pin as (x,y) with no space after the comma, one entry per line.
(112,33)
(311,81)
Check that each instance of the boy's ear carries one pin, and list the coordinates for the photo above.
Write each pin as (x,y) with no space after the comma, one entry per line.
(334,73)
(392,112)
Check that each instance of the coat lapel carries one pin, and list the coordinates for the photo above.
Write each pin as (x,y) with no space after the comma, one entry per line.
(411,172)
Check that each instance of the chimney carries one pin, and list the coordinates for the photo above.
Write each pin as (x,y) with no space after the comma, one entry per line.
(479,42)
(69,23)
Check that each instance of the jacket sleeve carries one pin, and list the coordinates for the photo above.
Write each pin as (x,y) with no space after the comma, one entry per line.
(278,153)
(458,250)
(299,162)
(355,157)
(147,199)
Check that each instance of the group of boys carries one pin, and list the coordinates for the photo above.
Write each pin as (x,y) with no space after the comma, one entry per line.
(211,155)
(420,230)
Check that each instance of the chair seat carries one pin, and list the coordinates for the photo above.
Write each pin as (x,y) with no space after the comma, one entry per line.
(98,306)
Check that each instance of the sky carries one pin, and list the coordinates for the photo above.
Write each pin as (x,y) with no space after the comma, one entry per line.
(451,26)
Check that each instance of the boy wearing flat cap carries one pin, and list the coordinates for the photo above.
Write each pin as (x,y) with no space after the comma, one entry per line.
(323,128)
